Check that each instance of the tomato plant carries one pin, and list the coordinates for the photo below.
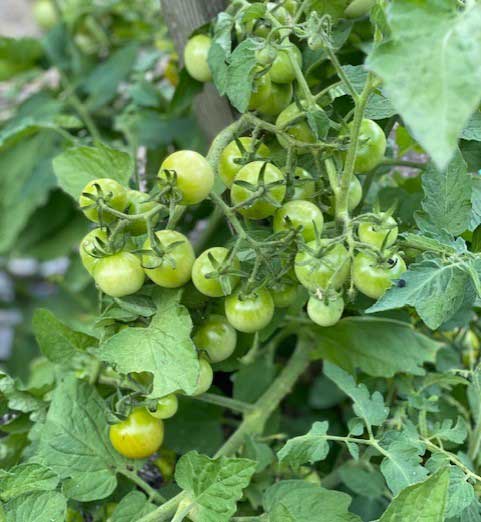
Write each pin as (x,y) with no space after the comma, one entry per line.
(252,300)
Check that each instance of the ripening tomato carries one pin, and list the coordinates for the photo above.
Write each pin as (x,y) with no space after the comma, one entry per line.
(119,275)
(261,90)
(139,436)
(138,203)
(372,277)
(283,294)
(45,14)
(327,267)
(371,147)
(260,208)
(304,185)
(166,407)
(106,190)
(299,214)
(193,173)
(229,161)
(249,313)
(174,268)
(381,233)
(216,337)
(206,376)
(295,125)
(282,69)
(280,98)
(93,239)
(325,312)
(203,269)
(196,53)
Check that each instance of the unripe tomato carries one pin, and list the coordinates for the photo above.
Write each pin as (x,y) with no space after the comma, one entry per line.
(138,203)
(379,234)
(262,27)
(355,193)
(111,192)
(211,286)
(282,70)
(229,164)
(194,175)
(88,245)
(217,337)
(196,53)
(166,407)
(206,376)
(249,313)
(299,130)
(358,8)
(119,275)
(280,98)
(261,91)
(86,42)
(299,214)
(291,6)
(165,463)
(372,277)
(283,294)
(174,268)
(45,14)
(261,207)
(303,184)
(371,147)
(325,312)
(139,436)
(73,516)
(330,268)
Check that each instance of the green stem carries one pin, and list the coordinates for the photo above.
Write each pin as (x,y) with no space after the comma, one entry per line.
(403,163)
(341,73)
(225,402)
(151,492)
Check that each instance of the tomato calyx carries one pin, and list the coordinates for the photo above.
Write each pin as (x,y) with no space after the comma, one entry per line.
(169,192)
(160,252)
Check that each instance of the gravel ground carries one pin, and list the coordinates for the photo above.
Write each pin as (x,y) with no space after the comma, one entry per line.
(16,18)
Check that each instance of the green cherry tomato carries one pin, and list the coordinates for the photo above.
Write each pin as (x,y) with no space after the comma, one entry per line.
(329,269)
(303,184)
(194,175)
(119,275)
(196,53)
(106,190)
(325,312)
(261,207)
(73,516)
(45,14)
(206,376)
(291,6)
(382,233)
(262,27)
(249,313)
(166,407)
(211,286)
(138,202)
(371,147)
(355,193)
(174,268)
(261,91)
(280,98)
(139,436)
(282,70)
(229,164)
(283,294)
(299,214)
(216,337)
(358,8)
(373,278)
(299,128)
(88,245)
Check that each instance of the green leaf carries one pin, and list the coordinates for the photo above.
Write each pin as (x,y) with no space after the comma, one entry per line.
(448,431)
(370,408)
(16,398)
(25,478)
(164,348)
(74,442)
(379,347)
(79,165)
(421,502)
(438,91)
(448,196)
(435,288)
(240,74)
(17,55)
(300,501)
(361,481)
(59,343)
(472,131)
(401,466)
(133,506)
(214,486)
(260,452)
(40,506)
(220,51)
(104,80)
(311,447)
